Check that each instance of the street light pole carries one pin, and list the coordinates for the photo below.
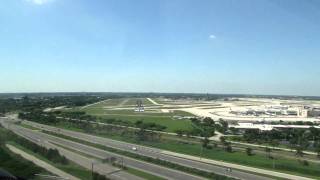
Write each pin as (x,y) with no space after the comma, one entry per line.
(92,163)
(273,162)
(201,152)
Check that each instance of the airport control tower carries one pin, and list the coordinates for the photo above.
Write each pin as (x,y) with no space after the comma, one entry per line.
(139,106)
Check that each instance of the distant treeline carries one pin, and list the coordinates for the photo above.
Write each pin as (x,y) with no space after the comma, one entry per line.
(57,116)
(31,101)
(27,103)
(113,95)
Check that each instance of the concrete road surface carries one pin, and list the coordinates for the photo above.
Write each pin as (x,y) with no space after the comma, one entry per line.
(140,165)
(151,152)
(99,167)
(41,163)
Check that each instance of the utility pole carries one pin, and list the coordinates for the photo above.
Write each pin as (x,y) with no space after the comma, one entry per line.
(122,165)
(273,162)
(92,163)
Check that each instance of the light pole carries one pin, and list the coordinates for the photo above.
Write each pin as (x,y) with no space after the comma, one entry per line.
(273,162)
(201,152)
(92,163)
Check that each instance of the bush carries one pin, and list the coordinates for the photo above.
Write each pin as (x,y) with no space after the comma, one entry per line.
(249,151)
(97,176)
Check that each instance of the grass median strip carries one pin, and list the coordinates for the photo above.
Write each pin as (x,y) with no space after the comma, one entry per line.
(71,167)
(188,147)
(147,159)
(133,171)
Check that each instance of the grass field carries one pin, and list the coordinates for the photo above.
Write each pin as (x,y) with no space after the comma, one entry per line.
(109,102)
(105,111)
(19,166)
(165,119)
(260,161)
(172,125)
(289,166)
(133,102)
(143,174)
(121,102)
(133,171)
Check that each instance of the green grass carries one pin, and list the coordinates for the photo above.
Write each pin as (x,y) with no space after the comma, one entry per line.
(149,116)
(71,168)
(29,127)
(123,102)
(110,102)
(172,125)
(129,170)
(164,119)
(157,161)
(133,102)
(143,174)
(19,166)
(259,161)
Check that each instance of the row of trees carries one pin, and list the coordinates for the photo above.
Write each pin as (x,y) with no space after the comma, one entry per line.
(31,103)
(23,168)
(298,139)
(14,164)
(17,165)
(145,131)
(55,117)
(51,154)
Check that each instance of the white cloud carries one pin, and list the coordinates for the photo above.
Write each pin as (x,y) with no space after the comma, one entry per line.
(211,36)
(39,2)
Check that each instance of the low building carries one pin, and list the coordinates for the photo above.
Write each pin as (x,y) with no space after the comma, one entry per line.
(314,112)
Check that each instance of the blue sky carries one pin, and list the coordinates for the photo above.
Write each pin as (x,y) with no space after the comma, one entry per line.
(214,46)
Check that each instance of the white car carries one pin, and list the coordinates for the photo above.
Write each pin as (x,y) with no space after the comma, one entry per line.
(134,148)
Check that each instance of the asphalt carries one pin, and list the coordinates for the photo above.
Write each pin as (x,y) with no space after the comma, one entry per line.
(140,165)
(152,152)
(41,163)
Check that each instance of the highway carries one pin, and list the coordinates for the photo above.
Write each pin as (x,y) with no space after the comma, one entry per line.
(41,163)
(151,152)
(185,160)
(130,162)
(105,169)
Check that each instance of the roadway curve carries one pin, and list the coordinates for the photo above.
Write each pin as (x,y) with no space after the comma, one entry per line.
(154,153)
(130,162)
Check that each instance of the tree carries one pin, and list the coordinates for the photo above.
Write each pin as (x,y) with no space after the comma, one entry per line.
(222,139)
(318,151)
(249,151)
(274,143)
(205,142)
(141,134)
(224,125)
(234,130)
(228,147)
(179,133)
(268,152)
(299,151)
